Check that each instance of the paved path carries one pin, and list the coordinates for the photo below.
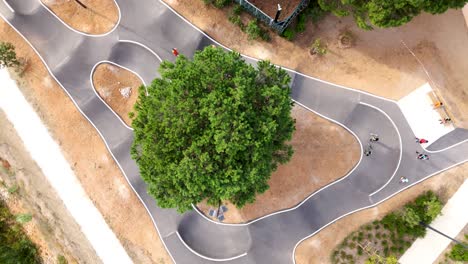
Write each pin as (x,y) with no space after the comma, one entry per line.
(147,32)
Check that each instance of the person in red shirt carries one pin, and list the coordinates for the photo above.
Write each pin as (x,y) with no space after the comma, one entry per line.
(421,141)
(175,52)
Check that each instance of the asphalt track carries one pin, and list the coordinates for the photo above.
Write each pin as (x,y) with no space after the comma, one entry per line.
(146,33)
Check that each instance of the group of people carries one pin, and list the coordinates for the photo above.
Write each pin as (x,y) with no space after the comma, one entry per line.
(375,138)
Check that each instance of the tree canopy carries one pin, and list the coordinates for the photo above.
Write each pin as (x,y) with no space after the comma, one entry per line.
(212,128)
(387,13)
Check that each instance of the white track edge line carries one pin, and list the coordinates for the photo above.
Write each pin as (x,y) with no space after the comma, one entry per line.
(399,139)
(313,193)
(8,6)
(373,205)
(205,257)
(99,132)
(81,32)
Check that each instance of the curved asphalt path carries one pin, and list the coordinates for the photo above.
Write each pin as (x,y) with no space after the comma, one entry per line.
(148,28)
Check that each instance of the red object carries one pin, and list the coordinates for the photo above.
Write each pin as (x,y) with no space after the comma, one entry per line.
(175,52)
(422,140)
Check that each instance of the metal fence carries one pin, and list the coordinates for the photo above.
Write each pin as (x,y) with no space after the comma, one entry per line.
(279,26)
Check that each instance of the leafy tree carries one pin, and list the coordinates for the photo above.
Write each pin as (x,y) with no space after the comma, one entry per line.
(433,208)
(8,55)
(410,217)
(212,128)
(387,13)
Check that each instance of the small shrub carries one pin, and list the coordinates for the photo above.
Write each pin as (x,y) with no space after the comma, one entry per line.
(375,223)
(253,30)
(378,235)
(13,189)
(352,245)
(23,218)
(384,235)
(289,34)
(354,238)
(318,47)
(237,10)
(236,20)
(393,249)
(218,3)
(368,227)
(384,242)
(359,251)
(386,251)
(369,236)
(459,253)
(301,22)
(61,260)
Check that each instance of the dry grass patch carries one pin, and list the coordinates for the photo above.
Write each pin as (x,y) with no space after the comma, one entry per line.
(99,17)
(118,87)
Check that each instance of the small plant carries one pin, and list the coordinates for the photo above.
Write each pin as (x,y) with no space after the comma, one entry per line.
(318,47)
(301,22)
(13,189)
(378,235)
(218,3)
(23,218)
(359,251)
(459,253)
(289,34)
(61,260)
(253,30)
(368,227)
(8,55)
(236,20)
(237,10)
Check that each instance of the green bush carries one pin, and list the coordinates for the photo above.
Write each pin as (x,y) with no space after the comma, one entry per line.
(218,3)
(236,20)
(15,246)
(61,260)
(253,30)
(301,22)
(318,47)
(459,253)
(237,10)
(289,34)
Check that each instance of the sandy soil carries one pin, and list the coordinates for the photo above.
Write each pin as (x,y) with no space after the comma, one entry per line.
(443,259)
(109,80)
(52,227)
(99,17)
(378,62)
(318,248)
(317,144)
(270,7)
(89,158)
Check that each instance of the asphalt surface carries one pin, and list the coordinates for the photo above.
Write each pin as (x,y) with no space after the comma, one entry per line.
(191,238)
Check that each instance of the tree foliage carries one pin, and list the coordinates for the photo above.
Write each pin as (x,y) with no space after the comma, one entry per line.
(387,13)
(8,55)
(212,128)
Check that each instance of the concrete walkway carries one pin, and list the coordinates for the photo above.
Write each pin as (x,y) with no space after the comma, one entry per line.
(48,156)
(454,217)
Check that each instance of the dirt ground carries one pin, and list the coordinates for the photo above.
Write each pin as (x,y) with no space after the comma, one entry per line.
(53,229)
(89,158)
(318,248)
(317,144)
(443,259)
(99,17)
(109,80)
(378,62)
(270,7)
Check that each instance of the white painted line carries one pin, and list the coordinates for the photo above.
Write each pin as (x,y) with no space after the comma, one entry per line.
(47,154)
(205,257)
(97,94)
(98,131)
(80,32)
(308,197)
(8,5)
(400,141)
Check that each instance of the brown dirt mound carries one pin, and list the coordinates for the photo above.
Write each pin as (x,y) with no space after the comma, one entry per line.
(97,18)
(113,85)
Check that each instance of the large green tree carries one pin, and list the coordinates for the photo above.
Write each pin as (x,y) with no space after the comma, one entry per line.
(212,128)
(387,13)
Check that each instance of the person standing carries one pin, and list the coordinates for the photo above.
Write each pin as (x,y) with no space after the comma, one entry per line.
(175,52)
(374,137)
